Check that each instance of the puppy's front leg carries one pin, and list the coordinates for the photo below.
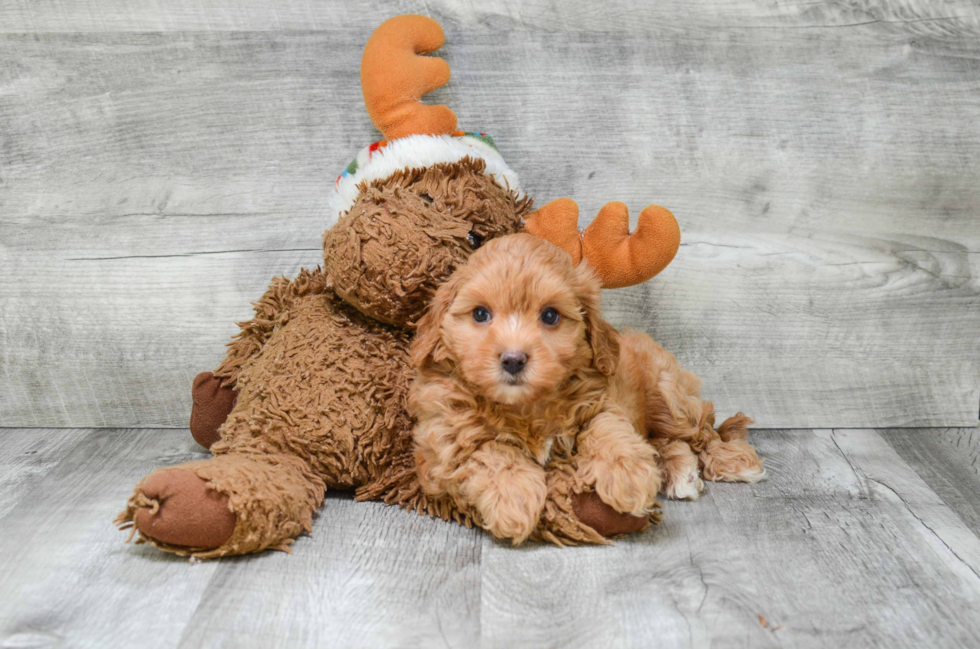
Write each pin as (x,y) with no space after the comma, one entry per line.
(507,489)
(460,458)
(620,463)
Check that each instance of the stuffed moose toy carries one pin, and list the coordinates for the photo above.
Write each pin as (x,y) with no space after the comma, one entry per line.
(313,392)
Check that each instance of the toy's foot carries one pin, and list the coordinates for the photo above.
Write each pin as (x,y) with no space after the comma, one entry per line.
(213,402)
(180,508)
(605,520)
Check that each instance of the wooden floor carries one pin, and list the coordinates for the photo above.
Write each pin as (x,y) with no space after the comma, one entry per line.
(858,538)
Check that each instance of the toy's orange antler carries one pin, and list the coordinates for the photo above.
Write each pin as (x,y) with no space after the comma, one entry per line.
(394,77)
(618,257)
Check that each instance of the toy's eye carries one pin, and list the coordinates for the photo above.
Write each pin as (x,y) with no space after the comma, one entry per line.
(550,317)
(475,240)
(481,314)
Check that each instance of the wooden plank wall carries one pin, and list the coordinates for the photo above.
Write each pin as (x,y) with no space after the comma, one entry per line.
(160,162)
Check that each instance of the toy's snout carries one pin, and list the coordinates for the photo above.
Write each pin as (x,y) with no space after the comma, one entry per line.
(386,257)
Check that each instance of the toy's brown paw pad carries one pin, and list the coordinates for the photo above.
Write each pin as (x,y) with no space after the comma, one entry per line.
(181,509)
(605,520)
(213,402)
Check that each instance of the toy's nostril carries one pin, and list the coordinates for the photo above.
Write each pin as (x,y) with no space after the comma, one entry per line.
(513,361)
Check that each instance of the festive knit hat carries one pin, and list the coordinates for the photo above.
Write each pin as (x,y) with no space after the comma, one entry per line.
(417,135)
(384,158)
(394,77)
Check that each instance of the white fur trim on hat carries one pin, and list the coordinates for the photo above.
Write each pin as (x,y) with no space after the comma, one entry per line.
(415,151)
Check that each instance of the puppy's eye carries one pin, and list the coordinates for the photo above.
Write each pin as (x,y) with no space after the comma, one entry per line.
(481,314)
(475,240)
(425,197)
(550,317)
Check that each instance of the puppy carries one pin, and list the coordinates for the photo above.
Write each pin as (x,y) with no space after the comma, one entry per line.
(517,368)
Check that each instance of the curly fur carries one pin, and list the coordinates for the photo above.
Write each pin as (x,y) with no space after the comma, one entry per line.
(323,385)
(606,402)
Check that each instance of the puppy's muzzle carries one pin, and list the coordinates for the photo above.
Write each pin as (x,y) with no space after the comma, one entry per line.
(513,361)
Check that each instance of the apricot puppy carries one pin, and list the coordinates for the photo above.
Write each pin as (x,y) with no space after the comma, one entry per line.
(516,368)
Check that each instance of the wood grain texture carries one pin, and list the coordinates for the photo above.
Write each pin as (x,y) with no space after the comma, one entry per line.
(66,578)
(370,576)
(27,457)
(939,17)
(824,178)
(843,545)
(948,460)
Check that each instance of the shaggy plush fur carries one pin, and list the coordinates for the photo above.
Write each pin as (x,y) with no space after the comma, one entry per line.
(322,382)
(412,230)
(313,392)
(518,371)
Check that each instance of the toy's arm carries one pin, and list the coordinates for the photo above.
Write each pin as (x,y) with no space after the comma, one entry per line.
(619,257)
(214,394)
(272,310)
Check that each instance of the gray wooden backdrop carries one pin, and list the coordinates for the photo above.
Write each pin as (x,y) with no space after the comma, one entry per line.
(160,162)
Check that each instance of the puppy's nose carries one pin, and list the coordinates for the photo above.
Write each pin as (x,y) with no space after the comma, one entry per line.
(513,361)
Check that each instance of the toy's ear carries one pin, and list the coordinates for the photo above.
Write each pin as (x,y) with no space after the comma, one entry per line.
(427,348)
(619,257)
(394,77)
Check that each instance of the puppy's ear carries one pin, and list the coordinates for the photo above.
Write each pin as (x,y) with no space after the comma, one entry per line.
(428,347)
(602,336)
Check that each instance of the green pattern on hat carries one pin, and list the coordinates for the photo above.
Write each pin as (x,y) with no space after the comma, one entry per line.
(486,139)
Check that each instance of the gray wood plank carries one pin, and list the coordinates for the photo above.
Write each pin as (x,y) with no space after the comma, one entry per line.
(27,455)
(926,16)
(66,579)
(370,576)
(825,183)
(948,460)
(843,545)
(880,465)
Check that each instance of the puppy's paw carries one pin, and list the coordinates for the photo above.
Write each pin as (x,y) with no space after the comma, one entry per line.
(684,481)
(733,461)
(510,506)
(627,484)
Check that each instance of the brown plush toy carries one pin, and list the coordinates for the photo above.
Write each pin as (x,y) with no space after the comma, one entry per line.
(313,392)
